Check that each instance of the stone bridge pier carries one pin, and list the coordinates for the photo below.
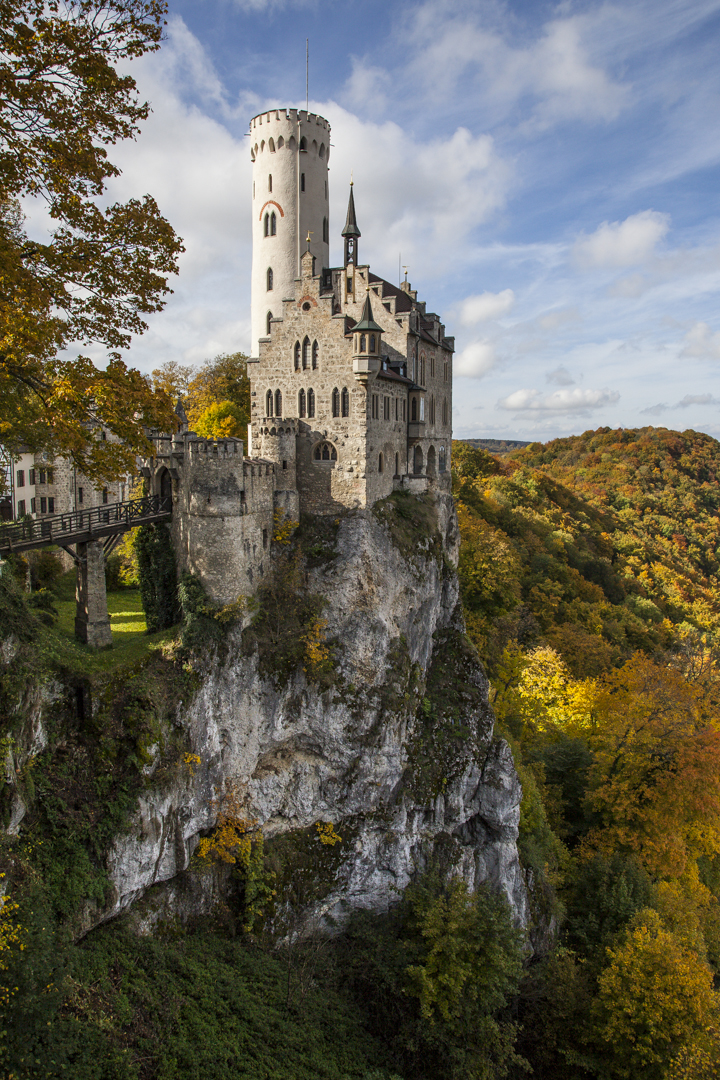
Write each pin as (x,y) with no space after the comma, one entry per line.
(92,619)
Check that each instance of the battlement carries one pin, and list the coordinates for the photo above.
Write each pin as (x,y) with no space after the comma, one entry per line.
(196,446)
(291,115)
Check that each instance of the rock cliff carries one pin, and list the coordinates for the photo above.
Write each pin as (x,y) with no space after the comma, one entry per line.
(396,748)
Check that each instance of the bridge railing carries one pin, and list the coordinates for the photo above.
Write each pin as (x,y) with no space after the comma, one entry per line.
(124,515)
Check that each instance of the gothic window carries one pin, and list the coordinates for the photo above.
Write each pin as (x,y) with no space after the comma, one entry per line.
(268,320)
(297,355)
(306,354)
(362,343)
(345,402)
(266,227)
(315,351)
(441,459)
(270,180)
(336,402)
(278,403)
(432,408)
(322,150)
(273,224)
(372,343)
(432,367)
(269,403)
(380,463)
(325,451)
(311,402)
(303,143)
(271,148)
(418,461)
(413,411)
(431,461)
(302,181)
(269,279)
(325,231)
(301,403)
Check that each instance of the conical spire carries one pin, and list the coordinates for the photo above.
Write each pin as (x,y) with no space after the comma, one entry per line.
(366,319)
(351,225)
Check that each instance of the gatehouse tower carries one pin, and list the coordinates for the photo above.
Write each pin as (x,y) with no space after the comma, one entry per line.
(289,151)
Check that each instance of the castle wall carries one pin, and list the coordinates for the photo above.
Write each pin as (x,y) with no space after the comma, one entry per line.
(222,516)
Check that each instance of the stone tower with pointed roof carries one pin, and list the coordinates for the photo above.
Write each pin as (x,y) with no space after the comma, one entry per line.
(351,387)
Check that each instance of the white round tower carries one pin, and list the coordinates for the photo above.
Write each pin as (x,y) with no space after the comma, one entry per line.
(289,150)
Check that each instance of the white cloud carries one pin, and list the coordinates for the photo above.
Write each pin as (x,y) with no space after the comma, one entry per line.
(560,376)
(476,359)
(486,306)
(622,243)
(555,70)
(701,342)
(555,319)
(697,399)
(560,401)
(654,410)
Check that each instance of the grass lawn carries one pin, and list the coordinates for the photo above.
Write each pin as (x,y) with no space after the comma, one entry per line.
(130,638)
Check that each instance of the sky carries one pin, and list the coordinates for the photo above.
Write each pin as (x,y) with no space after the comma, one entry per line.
(549,173)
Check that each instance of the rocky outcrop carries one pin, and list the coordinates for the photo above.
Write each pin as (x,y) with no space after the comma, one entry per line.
(395,748)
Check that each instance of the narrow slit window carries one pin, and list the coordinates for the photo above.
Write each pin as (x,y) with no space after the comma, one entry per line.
(266,229)
(345,402)
(273,224)
(269,279)
(302,181)
(278,403)
(268,320)
(315,351)
(301,403)
(297,355)
(270,182)
(311,402)
(269,403)
(336,402)
(306,354)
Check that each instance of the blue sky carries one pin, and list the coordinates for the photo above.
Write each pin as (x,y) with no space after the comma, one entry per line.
(549,172)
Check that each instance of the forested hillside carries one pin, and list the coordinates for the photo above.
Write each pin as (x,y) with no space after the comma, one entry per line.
(589,578)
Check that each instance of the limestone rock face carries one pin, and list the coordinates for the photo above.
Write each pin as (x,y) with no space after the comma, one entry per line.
(398,752)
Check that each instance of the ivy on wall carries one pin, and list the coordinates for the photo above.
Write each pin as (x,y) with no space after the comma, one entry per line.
(157,572)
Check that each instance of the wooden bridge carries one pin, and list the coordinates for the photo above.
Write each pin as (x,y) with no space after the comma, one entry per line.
(94,533)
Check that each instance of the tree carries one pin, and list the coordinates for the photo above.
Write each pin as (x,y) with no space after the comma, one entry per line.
(656,778)
(221,420)
(223,379)
(173,378)
(104,267)
(654,998)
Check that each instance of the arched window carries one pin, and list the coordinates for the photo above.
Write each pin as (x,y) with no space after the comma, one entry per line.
(271,148)
(336,402)
(444,411)
(431,461)
(278,403)
(273,224)
(270,179)
(325,451)
(322,150)
(303,144)
(281,143)
(417,461)
(266,230)
(372,343)
(380,463)
(397,464)
(413,411)
(345,402)
(297,355)
(441,459)
(269,277)
(362,343)
(325,231)
(301,403)
(311,402)
(315,351)
(306,354)
(432,408)
(314,145)
(269,403)
(268,320)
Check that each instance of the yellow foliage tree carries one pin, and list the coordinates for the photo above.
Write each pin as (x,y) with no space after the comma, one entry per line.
(654,997)
(221,420)
(538,689)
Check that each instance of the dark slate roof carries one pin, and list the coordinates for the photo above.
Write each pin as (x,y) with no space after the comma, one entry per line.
(366,319)
(351,225)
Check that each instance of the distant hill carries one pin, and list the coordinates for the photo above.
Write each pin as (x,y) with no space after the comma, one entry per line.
(496,446)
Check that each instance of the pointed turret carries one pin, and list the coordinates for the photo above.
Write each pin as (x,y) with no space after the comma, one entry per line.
(366,344)
(351,231)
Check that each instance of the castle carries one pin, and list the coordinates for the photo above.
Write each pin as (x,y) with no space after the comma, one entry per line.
(351,379)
